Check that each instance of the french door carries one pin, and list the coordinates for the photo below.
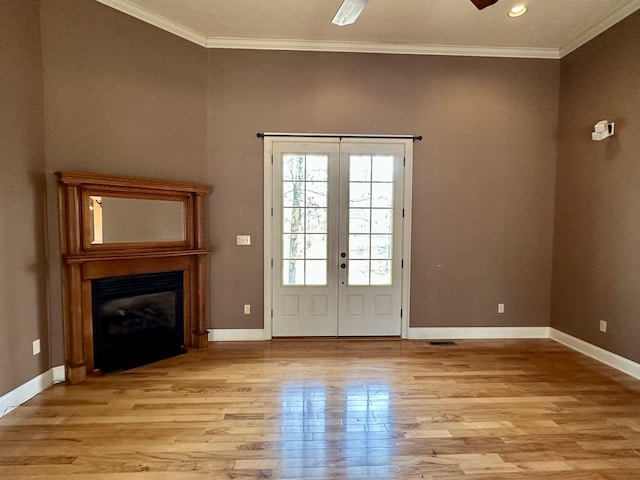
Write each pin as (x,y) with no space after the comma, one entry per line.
(337,237)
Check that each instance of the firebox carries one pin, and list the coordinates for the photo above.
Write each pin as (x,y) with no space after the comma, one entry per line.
(137,319)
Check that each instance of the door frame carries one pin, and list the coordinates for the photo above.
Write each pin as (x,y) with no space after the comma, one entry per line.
(269,139)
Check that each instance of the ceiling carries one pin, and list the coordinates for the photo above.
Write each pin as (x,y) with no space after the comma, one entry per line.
(550,28)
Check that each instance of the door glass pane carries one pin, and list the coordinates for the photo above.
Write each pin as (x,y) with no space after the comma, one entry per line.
(293,246)
(316,168)
(293,167)
(382,220)
(359,246)
(304,219)
(316,246)
(317,220)
(382,195)
(292,220)
(293,194)
(380,272)
(359,272)
(293,272)
(360,194)
(316,194)
(316,272)
(360,168)
(381,246)
(359,220)
(382,170)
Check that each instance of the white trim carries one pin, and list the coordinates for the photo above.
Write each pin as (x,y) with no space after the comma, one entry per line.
(608,358)
(59,374)
(406,240)
(28,390)
(236,335)
(375,47)
(451,333)
(156,20)
(268,238)
(598,28)
(269,139)
(135,11)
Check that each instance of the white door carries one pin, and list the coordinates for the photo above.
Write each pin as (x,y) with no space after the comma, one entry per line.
(337,237)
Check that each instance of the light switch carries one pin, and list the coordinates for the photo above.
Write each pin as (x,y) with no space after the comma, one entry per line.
(243,240)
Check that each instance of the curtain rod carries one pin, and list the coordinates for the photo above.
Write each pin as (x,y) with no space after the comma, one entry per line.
(322,135)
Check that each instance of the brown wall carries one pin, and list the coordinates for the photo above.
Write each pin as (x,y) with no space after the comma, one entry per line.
(483,182)
(121,97)
(596,268)
(126,98)
(23,315)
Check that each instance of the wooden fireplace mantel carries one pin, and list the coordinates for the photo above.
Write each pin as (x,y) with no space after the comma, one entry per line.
(85,259)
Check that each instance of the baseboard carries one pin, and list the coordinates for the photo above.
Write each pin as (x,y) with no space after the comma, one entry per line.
(30,389)
(59,374)
(469,333)
(236,334)
(608,358)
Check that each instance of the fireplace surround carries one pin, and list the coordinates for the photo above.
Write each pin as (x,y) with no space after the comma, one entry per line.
(100,245)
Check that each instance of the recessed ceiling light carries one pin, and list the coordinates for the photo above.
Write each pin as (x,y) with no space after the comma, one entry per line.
(518,11)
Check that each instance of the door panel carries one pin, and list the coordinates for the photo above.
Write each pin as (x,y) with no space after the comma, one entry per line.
(305,243)
(371,225)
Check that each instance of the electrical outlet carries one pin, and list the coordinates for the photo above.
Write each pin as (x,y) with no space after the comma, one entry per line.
(603,326)
(247,309)
(243,239)
(501,308)
(36,347)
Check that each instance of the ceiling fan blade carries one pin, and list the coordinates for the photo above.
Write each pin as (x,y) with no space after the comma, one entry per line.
(480,4)
(348,12)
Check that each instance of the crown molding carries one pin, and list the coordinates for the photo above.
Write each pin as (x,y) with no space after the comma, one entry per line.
(151,18)
(156,20)
(600,27)
(384,48)
(125,6)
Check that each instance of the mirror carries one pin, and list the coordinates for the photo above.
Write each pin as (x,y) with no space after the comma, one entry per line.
(135,220)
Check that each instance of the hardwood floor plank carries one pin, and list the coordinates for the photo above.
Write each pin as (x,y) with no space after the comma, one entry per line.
(337,409)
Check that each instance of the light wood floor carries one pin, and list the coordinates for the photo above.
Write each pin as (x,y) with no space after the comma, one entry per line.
(337,410)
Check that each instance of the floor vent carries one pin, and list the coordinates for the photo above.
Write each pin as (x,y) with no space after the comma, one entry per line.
(442,343)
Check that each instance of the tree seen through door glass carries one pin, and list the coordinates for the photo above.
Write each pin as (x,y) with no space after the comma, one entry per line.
(304,213)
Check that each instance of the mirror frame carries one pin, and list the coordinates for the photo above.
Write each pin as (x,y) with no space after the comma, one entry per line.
(77,187)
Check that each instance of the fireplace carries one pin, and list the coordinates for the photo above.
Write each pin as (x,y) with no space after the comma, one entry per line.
(137,319)
(130,298)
